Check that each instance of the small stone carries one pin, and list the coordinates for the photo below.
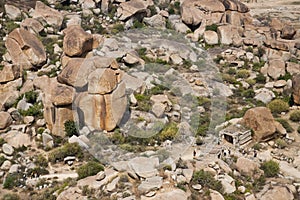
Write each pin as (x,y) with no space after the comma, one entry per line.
(100,176)
(197,187)
(28,119)
(6,165)
(14,168)
(7,149)
(242,189)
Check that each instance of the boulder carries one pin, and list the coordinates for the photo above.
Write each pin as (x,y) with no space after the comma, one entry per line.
(235,5)
(215,195)
(9,93)
(211,37)
(71,193)
(296,88)
(5,120)
(277,193)
(7,149)
(156,21)
(293,68)
(102,81)
(47,140)
(17,139)
(175,194)
(193,12)
(264,95)
(61,94)
(133,7)
(151,183)
(33,25)
(288,32)
(248,167)
(77,42)
(12,12)
(261,121)
(48,15)
(25,49)
(276,68)
(227,33)
(144,167)
(59,115)
(9,73)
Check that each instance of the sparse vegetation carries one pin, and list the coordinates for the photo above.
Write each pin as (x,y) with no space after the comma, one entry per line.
(71,128)
(278,106)
(11,196)
(206,179)
(285,125)
(280,143)
(89,169)
(58,154)
(270,168)
(295,116)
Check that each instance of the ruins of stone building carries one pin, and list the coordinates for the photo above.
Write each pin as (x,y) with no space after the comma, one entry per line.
(236,134)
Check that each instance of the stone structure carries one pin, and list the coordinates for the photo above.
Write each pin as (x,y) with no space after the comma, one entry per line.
(236,134)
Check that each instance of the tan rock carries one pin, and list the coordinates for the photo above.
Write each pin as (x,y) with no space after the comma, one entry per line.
(129,8)
(62,95)
(215,195)
(12,12)
(60,116)
(276,68)
(48,15)
(211,37)
(235,6)
(116,104)
(33,25)
(102,81)
(5,120)
(76,41)
(17,139)
(261,121)
(9,93)
(296,88)
(288,32)
(194,11)
(233,18)
(292,68)
(9,73)
(247,167)
(276,24)
(278,193)
(25,49)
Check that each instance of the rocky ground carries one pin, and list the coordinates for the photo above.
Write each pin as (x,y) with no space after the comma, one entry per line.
(129,99)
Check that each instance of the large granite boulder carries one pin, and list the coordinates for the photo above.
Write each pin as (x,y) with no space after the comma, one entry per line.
(9,73)
(133,7)
(194,11)
(235,5)
(277,193)
(248,167)
(25,49)
(276,68)
(47,15)
(296,88)
(261,121)
(77,42)
(5,120)
(33,25)
(144,167)
(12,12)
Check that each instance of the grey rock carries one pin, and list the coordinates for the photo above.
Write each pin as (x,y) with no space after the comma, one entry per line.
(7,149)
(150,184)
(144,167)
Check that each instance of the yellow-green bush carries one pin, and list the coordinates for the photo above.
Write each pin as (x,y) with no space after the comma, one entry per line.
(277,106)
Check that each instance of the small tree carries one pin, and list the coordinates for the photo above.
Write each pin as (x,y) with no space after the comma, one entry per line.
(277,106)
(71,128)
(89,169)
(295,116)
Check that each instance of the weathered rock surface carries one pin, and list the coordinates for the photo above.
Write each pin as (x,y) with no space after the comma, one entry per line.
(76,41)
(150,184)
(278,193)
(296,88)
(47,15)
(9,73)
(247,167)
(261,121)
(25,49)
(61,94)
(133,7)
(144,167)
(194,11)
(175,194)
(211,37)
(12,12)
(5,120)
(32,25)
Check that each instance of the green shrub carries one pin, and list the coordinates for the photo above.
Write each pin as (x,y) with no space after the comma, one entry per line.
(285,124)
(256,146)
(270,168)
(260,52)
(260,78)
(249,49)
(285,77)
(206,179)
(71,128)
(281,144)
(2,159)
(213,27)
(11,196)
(2,141)
(31,96)
(12,180)
(248,93)
(34,110)
(295,116)
(231,71)
(143,102)
(257,66)
(38,170)
(89,169)
(168,133)
(117,137)
(118,28)
(243,73)
(278,106)
(138,24)
(68,149)
(41,161)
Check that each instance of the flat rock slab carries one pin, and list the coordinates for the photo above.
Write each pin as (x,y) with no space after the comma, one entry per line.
(144,167)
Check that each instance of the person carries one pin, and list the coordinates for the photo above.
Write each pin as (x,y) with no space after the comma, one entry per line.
(255,153)
(194,153)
